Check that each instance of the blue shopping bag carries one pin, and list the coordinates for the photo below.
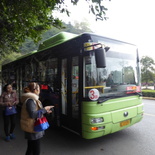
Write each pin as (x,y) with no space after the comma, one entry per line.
(10,110)
(41,124)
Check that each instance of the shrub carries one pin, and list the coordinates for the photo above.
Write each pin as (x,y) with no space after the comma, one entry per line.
(148,93)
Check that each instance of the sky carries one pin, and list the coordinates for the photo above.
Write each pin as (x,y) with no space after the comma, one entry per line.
(129,20)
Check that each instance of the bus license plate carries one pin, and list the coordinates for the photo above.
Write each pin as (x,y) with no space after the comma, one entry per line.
(124,123)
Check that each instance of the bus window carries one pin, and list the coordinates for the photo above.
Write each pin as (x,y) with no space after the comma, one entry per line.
(5,76)
(75,86)
(51,73)
(28,72)
(64,86)
(91,73)
(42,70)
(94,78)
(9,76)
(35,76)
(26,75)
(120,73)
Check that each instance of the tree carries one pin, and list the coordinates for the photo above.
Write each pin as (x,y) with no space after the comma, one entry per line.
(147,69)
(21,19)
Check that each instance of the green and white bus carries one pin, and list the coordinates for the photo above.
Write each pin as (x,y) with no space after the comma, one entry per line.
(93,82)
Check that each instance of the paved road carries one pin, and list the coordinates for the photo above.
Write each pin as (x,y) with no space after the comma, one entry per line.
(138,139)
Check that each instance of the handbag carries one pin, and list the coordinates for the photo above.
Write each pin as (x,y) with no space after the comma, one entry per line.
(41,124)
(10,110)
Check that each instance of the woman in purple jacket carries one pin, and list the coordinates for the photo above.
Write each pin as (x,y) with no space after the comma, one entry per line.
(9,99)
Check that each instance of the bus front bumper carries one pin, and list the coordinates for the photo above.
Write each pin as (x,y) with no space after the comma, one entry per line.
(90,132)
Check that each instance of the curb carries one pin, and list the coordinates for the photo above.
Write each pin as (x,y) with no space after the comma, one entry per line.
(149,98)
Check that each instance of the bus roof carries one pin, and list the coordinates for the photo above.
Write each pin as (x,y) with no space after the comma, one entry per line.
(59,39)
(51,42)
(56,40)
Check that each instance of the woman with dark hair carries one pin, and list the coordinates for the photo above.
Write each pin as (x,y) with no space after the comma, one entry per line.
(9,99)
(31,110)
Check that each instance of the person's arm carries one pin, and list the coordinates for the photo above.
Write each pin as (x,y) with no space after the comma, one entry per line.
(31,108)
(2,102)
(16,99)
(33,113)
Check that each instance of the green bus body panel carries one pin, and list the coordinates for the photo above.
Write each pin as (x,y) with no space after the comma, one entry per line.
(112,111)
(56,40)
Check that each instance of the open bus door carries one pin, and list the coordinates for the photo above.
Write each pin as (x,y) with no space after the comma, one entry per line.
(69,93)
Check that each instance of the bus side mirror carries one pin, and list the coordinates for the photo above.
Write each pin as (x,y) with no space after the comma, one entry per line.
(100,57)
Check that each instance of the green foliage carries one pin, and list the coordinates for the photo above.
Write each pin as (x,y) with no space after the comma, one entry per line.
(22,19)
(98,10)
(147,69)
(148,93)
(28,46)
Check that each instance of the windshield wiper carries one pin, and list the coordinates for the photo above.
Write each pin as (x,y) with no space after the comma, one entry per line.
(107,98)
(137,93)
(101,100)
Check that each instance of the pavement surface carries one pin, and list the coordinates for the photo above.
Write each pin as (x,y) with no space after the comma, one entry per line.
(18,146)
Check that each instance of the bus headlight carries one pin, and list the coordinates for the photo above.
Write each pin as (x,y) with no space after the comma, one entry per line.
(97,120)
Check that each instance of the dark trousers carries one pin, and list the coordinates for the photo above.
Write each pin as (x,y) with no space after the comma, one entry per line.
(33,147)
(9,123)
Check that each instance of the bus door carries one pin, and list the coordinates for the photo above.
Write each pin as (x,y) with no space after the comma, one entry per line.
(69,93)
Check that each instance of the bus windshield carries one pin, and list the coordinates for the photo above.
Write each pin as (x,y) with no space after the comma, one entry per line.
(119,77)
